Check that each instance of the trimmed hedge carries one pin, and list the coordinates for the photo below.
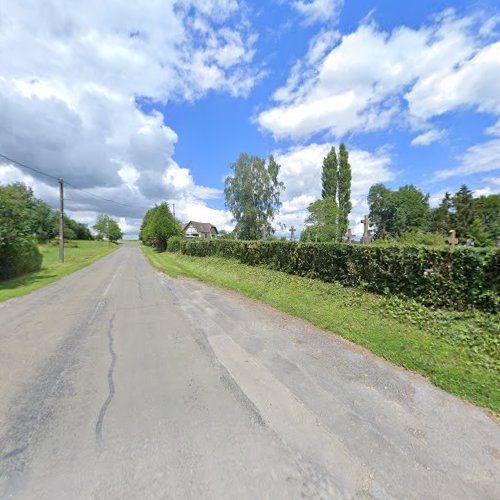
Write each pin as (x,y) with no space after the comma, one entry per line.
(458,278)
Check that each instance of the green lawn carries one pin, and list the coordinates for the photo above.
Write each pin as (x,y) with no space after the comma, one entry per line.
(82,254)
(458,352)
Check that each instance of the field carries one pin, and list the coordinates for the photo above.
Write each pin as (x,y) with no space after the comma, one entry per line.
(82,254)
(458,352)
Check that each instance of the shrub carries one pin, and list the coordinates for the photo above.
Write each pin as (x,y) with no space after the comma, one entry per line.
(22,257)
(18,251)
(458,278)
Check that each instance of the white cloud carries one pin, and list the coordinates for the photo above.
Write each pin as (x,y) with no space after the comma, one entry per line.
(474,84)
(318,10)
(428,137)
(371,77)
(72,78)
(494,129)
(301,171)
(483,157)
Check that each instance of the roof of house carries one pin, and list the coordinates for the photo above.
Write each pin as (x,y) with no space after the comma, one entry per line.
(201,227)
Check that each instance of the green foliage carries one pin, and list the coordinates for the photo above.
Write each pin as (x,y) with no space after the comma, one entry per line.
(414,238)
(396,212)
(487,211)
(329,175)
(344,191)
(18,250)
(441,219)
(472,218)
(159,226)
(322,221)
(225,235)
(336,187)
(459,278)
(463,203)
(107,228)
(74,230)
(253,194)
(479,332)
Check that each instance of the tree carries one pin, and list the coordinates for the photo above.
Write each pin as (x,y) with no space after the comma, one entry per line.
(225,235)
(412,209)
(397,212)
(329,175)
(463,203)
(158,226)
(478,233)
(344,191)
(74,230)
(322,220)
(253,194)
(18,251)
(107,228)
(382,210)
(487,209)
(442,216)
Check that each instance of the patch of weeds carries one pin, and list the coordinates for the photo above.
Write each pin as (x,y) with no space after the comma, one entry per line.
(479,332)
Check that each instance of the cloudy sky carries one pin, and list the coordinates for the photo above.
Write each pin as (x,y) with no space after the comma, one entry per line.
(144,101)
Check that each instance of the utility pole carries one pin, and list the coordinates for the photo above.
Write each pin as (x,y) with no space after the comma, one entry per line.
(292,231)
(61,220)
(173,210)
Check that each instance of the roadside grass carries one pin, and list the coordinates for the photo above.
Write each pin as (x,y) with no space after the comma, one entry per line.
(446,347)
(77,255)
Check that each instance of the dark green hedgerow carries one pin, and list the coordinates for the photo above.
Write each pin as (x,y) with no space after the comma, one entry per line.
(459,278)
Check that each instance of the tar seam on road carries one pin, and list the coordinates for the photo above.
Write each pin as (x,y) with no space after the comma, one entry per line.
(12,453)
(111,384)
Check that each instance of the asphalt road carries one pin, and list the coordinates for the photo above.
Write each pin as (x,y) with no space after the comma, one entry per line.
(118,382)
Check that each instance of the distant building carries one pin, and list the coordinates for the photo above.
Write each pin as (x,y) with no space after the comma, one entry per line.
(200,230)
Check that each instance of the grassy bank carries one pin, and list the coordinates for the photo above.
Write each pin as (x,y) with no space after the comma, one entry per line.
(82,254)
(458,352)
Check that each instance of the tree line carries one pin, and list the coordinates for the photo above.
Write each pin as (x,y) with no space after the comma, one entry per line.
(252,195)
(253,189)
(404,214)
(26,221)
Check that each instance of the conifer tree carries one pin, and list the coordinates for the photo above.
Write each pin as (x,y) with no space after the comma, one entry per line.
(463,202)
(442,216)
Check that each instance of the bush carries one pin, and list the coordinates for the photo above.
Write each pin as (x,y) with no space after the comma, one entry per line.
(22,257)
(18,251)
(458,278)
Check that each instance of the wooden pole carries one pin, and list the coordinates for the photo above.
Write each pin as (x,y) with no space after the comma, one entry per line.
(61,220)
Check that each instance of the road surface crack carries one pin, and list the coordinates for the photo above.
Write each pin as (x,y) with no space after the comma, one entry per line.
(111,383)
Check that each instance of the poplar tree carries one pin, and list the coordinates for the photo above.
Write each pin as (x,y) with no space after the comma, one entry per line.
(344,191)
(329,176)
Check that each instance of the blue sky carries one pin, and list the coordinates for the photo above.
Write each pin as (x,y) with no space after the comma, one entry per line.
(150,102)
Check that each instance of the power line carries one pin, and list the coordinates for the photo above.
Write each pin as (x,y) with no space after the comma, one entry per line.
(28,167)
(23,165)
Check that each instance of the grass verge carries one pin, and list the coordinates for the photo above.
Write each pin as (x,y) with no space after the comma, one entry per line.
(446,347)
(76,257)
